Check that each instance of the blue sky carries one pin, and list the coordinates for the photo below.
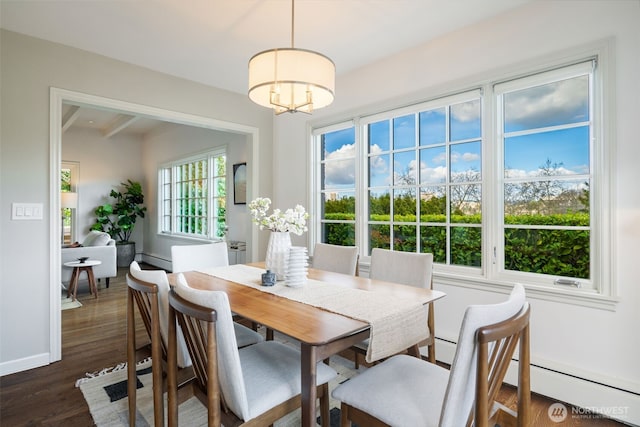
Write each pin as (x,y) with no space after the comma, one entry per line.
(545,122)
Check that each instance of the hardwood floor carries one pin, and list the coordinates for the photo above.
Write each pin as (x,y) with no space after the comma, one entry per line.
(93,337)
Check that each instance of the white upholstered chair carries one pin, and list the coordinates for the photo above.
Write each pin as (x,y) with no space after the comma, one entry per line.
(195,257)
(160,279)
(258,384)
(198,257)
(336,258)
(407,391)
(406,268)
(148,290)
(98,246)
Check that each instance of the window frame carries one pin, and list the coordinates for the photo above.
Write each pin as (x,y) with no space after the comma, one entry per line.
(212,179)
(603,293)
(443,101)
(545,77)
(316,221)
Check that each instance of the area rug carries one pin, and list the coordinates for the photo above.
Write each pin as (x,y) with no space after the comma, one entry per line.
(69,303)
(106,396)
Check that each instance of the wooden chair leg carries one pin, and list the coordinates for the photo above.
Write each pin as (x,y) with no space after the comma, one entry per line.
(324,405)
(344,416)
(432,352)
(131,359)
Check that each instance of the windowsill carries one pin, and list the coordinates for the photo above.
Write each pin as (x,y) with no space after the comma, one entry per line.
(188,238)
(585,298)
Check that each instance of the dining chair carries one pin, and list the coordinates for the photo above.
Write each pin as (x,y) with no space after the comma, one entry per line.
(197,257)
(148,291)
(407,268)
(252,386)
(210,255)
(407,391)
(336,258)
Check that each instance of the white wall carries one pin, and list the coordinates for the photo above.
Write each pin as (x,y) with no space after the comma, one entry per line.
(597,345)
(29,68)
(104,163)
(174,142)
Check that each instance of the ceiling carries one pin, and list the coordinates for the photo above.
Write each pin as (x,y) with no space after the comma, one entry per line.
(211,41)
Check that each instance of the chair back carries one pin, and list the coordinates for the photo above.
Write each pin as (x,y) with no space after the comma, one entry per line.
(487,340)
(230,374)
(198,325)
(197,257)
(407,268)
(336,258)
(143,296)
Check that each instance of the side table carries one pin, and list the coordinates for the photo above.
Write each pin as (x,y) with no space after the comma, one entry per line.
(79,267)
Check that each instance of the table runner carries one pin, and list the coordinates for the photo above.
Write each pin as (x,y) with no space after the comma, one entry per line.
(395,324)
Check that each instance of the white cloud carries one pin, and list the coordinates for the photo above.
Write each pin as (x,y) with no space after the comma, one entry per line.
(347,150)
(557,102)
(339,169)
(467,111)
(429,175)
(464,157)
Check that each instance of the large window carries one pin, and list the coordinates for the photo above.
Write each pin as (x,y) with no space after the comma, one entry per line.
(424,180)
(192,196)
(500,183)
(545,130)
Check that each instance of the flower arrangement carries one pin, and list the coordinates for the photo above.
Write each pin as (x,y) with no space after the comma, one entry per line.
(292,220)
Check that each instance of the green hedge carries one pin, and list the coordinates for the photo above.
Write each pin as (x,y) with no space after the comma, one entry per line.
(554,252)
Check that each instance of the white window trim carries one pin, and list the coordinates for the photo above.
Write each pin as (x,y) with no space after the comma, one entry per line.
(603,148)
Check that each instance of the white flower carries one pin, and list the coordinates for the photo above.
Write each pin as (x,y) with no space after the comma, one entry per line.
(292,220)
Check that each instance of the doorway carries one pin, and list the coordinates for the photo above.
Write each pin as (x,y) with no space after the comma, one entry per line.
(58,97)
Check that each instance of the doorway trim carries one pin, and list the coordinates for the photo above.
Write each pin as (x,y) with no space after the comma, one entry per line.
(57,98)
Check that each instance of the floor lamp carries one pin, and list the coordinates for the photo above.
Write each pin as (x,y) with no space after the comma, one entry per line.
(68,200)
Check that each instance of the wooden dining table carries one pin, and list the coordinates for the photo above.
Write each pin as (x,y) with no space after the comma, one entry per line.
(321,333)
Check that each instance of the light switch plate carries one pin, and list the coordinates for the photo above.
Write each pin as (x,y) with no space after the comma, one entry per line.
(26,211)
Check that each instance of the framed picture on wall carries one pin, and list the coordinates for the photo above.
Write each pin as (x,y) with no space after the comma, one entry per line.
(240,184)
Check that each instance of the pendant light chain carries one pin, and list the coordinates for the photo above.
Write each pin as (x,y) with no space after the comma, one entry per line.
(292,21)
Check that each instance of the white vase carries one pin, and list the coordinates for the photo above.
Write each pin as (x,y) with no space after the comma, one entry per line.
(278,253)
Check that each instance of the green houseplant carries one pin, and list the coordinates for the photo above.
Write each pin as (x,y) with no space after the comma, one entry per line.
(119,218)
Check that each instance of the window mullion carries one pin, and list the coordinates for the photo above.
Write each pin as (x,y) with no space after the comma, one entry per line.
(494,230)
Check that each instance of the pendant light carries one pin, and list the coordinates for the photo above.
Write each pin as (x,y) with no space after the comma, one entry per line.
(291,80)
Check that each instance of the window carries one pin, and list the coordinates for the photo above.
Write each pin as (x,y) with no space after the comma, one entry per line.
(501,183)
(192,196)
(424,180)
(546,128)
(338,186)
(69,176)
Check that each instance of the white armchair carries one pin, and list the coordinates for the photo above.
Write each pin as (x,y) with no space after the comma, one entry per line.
(97,246)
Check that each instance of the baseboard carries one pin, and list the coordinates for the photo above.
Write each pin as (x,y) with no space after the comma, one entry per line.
(593,399)
(156,261)
(19,365)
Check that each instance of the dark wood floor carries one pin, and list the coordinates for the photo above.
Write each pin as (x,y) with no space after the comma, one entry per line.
(93,337)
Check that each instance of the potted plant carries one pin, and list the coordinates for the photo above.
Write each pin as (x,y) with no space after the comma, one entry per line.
(119,218)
